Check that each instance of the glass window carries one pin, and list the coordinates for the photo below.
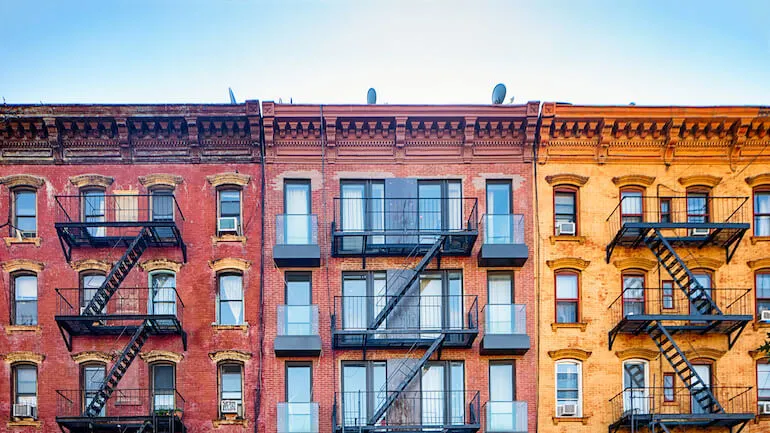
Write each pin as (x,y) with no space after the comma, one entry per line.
(163,387)
(25,300)
(90,284)
(93,378)
(298,320)
(297,207)
(697,207)
(500,310)
(668,386)
(499,221)
(230,206)
(25,385)
(25,209)
(94,211)
(631,206)
(633,294)
(668,294)
(568,385)
(298,383)
(162,202)
(567,301)
(762,213)
(231,382)
(763,382)
(763,291)
(362,391)
(162,293)
(564,202)
(230,299)
(665,210)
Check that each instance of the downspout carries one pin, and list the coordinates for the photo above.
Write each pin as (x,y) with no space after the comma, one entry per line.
(261,335)
(536,222)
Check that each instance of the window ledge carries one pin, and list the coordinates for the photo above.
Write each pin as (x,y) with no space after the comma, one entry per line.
(220,422)
(755,239)
(243,328)
(12,329)
(228,238)
(761,418)
(13,241)
(564,238)
(757,324)
(580,419)
(581,325)
(24,422)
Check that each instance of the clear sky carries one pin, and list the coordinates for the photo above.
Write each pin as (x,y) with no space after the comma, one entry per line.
(580,51)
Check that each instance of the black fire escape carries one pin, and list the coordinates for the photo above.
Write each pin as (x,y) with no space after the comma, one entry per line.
(684,305)
(132,223)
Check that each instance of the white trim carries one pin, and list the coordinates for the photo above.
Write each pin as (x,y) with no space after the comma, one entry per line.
(579,365)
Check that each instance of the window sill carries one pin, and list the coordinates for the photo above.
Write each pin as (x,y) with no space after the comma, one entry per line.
(12,241)
(24,422)
(761,418)
(758,325)
(228,238)
(564,238)
(561,419)
(13,329)
(581,325)
(243,328)
(220,422)
(755,239)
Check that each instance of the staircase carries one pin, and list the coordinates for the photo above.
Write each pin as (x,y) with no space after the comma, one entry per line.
(147,427)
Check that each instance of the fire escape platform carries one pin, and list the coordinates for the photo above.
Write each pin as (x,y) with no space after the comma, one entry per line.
(77,234)
(683,420)
(120,424)
(400,338)
(711,324)
(405,243)
(719,234)
(117,324)
(453,428)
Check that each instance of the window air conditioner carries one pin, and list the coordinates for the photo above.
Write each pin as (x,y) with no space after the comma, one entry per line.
(700,231)
(764,316)
(565,228)
(24,411)
(227,225)
(569,409)
(231,406)
(764,408)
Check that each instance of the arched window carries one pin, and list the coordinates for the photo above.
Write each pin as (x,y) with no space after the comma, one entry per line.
(633,292)
(565,214)
(569,388)
(762,286)
(762,211)
(24,289)
(163,380)
(24,384)
(92,377)
(24,212)
(229,210)
(636,386)
(567,284)
(230,390)
(230,299)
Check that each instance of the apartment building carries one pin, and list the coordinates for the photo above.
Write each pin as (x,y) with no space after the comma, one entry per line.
(654,268)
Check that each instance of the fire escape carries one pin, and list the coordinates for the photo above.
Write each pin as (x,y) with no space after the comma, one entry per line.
(134,223)
(683,306)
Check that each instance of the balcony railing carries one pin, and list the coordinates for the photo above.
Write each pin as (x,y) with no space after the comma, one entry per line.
(297,418)
(296,229)
(124,403)
(414,318)
(505,319)
(418,410)
(126,301)
(118,209)
(506,416)
(503,228)
(297,320)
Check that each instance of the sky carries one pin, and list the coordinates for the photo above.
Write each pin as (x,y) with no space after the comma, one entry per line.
(650,52)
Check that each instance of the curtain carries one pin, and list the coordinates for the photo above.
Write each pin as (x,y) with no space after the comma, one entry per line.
(433,395)
(354,305)
(501,395)
(163,294)
(455,206)
(94,212)
(567,289)
(352,214)
(231,300)
(500,305)
(430,304)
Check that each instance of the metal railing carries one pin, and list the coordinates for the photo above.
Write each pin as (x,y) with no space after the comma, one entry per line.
(505,318)
(503,228)
(419,409)
(678,401)
(297,320)
(296,229)
(123,403)
(297,417)
(117,208)
(126,301)
(506,416)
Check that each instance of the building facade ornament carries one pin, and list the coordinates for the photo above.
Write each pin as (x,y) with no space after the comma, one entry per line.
(760,179)
(91,356)
(160,265)
(637,353)
(160,179)
(31,357)
(161,356)
(635,263)
(230,355)
(91,265)
(86,180)
(572,353)
(700,180)
(704,263)
(633,180)
(566,179)
(23,265)
(568,263)
(704,353)
(220,179)
(759,263)
(16,180)
(229,263)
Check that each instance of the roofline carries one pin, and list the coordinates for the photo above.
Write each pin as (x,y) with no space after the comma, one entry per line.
(557,109)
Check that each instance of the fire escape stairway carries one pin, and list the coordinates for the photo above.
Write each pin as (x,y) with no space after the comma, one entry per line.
(118,273)
(147,427)
(117,371)
(663,427)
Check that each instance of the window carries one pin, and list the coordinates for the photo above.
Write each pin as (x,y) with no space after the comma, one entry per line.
(565,208)
(25,299)
(298,313)
(668,387)
(705,372)
(500,316)
(636,374)
(697,206)
(762,213)
(25,212)
(762,281)
(231,389)
(229,206)
(568,387)
(162,204)
(633,294)
(93,376)
(567,297)
(25,384)
(230,299)
(763,382)
(502,393)
(363,209)
(361,382)
(631,206)
(704,279)
(299,394)
(89,285)
(163,393)
(499,225)
(94,211)
(668,294)
(162,293)
(665,210)
(297,207)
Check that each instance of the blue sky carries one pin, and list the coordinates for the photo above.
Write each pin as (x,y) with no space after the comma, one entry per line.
(579,51)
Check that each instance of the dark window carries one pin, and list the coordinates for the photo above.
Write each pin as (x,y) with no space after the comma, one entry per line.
(567,297)
(763,291)
(230,299)
(565,208)
(762,213)
(25,384)
(162,204)
(25,212)
(24,299)
(163,387)
(668,386)
(665,210)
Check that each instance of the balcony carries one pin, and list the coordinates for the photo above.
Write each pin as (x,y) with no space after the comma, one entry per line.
(503,241)
(692,221)
(107,221)
(403,226)
(297,418)
(412,411)
(415,321)
(505,330)
(297,331)
(506,417)
(296,241)
(128,410)
(675,407)
(636,308)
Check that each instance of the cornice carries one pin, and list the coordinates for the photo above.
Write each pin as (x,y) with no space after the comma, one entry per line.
(23,356)
(704,263)
(229,263)
(91,265)
(757,355)
(220,179)
(633,180)
(161,356)
(759,179)
(572,353)
(637,353)
(160,265)
(635,263)
(23,265)
(568,263)
(700,180)
(91,356)
(230,355)
(160,179)
(566,179)
(85,180)
(704,353)
(16,180)
(759,263)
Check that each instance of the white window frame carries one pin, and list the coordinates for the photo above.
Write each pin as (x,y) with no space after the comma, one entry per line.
(579,365)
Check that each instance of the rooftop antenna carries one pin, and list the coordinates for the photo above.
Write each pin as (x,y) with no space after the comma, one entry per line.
(232,96)
(371,96)
(498,94)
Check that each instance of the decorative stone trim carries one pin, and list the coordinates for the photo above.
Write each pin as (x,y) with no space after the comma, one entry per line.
(566,238)
(23,265)
(84,180)
(637,353)
(756,355)
(14,329)
(566,179)
(19,241)
(243,328)
(570,419)
(635,263)
(230,355)
(568,263)
(755,239)
(14,180)
(25,423)
(700,180)
(579,325)
(91,265)
(633,180)
(704,262)
(759,263)
(161,356)
(220,179)
(91,356)
(578,354)
(159,179)
(705,352)
(229,263)
(221,422)
(760,179)
(14,357)
(160,265)
(228,238)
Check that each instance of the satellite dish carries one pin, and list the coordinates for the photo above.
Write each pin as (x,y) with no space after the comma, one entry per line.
(371,96)
(498,94)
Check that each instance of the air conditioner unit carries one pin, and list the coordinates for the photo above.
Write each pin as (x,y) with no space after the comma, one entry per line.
(700,231)
(227,225)
(231,406)
(565,228)
(764,315)
(24,411)
(764,408)
(569,409)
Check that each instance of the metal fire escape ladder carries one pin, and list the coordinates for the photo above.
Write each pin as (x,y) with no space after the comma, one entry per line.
(118,274)
(118,369)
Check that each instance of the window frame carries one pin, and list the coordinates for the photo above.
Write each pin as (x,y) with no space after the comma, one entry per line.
(579,365)
(663,295)
(15,395)
(296,364)
(710,289)
(765,190)
(15,211)
(82,285)
(219,276)
(575,192)
(21,274)
(84,402)
(510,276)
(633,273)
(557,300)
(504,362)
(762,361)
(220,369)
(151,369)
(699,190)
(230,188)
(672,389)
(632,189)
(757,299)
(669,215)
(505,182)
